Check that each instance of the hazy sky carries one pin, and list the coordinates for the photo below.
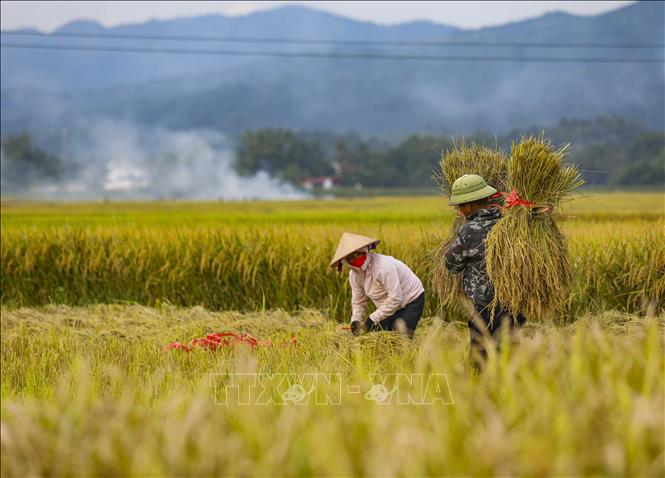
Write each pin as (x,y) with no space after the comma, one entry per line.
(52,14)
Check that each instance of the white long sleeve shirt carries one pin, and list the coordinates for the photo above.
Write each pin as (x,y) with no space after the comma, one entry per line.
(388,282)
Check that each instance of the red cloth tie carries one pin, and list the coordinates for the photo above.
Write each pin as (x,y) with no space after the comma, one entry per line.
(513,199)
(225,339)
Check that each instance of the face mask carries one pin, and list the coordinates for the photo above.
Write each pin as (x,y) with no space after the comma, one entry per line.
(358,261)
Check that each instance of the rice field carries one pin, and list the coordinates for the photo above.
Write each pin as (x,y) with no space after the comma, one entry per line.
(93,294)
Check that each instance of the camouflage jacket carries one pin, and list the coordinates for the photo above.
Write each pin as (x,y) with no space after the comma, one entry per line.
(466,255)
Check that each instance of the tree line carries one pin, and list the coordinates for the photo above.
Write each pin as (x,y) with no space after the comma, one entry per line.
(609,151)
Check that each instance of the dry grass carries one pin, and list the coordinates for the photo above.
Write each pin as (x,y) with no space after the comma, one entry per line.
(91,392)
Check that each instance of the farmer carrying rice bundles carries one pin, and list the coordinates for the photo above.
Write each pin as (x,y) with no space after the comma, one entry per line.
(466,256)
(513,258)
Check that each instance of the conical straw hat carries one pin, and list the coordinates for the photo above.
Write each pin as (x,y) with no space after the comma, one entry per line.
(350,243)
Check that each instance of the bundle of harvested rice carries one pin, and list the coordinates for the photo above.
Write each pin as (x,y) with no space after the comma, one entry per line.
(462,159)
(527,257)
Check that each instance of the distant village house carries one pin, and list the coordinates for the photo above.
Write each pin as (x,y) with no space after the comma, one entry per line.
(319,182)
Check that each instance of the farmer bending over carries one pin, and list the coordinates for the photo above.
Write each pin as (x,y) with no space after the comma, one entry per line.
(466,255)
(393,287)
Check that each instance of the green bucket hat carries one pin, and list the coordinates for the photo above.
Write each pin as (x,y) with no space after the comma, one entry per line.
(469,187)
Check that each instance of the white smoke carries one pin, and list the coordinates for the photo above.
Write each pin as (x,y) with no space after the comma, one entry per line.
(123,176)
(123,160)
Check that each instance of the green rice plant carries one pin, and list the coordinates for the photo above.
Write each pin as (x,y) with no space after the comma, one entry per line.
(614,265)
(51,255)
(526,254)
(463,159)
(627,274)
(344,212)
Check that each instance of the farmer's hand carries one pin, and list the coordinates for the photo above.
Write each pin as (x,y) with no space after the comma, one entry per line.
(355,327)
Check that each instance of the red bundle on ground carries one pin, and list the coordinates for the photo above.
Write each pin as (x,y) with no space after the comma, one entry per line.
(225,339)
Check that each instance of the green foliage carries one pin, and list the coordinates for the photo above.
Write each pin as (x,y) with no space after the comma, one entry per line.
(638,163)
(280,153)
(24,164)
(607,150)
(603,130)
(648,165)
(644,173)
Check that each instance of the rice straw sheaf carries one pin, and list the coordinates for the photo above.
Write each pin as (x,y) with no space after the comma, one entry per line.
(526,253)
(463,159)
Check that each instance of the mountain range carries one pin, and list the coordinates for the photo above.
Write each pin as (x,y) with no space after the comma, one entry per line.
(46,90)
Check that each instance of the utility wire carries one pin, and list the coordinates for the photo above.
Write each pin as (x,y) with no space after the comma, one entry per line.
(332,55)
(314,41)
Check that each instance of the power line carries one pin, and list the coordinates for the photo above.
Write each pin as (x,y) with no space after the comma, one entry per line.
(315,41)
(332,55)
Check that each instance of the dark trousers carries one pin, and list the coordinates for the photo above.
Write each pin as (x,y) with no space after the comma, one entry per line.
(410,315)
(483,329)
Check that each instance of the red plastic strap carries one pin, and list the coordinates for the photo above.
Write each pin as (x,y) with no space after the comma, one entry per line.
(514,199)
(498,195)
(226,339)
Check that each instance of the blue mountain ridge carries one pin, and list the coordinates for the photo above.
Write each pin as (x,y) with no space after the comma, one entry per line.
(367,96)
